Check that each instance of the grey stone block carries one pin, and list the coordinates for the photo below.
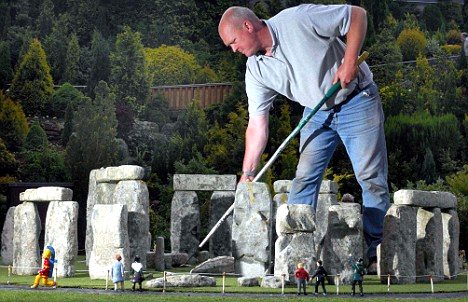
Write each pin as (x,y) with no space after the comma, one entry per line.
(47,194)
(202,182)
(425,199)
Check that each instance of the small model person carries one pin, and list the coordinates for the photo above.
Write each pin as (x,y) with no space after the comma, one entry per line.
(47,269)
(137,273)
(320,274)
(117,272)
(358,275)
(302,276)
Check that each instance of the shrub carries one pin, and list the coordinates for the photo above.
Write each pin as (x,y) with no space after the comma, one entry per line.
(66,94)
(451,49)
(36,140)
(13,123)
(412,43)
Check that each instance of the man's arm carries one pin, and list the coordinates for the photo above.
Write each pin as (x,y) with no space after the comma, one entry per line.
(354,40)
(256,137)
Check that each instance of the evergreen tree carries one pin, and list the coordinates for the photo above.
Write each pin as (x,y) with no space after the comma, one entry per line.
(6,72)
(93,142)
(65,96)
(8,163)
(13,123)
(45,21)
(68,125)
(36,140)
(129,77)
(32,84)
(72,61)
(428,169)
(56,44)
(100,62)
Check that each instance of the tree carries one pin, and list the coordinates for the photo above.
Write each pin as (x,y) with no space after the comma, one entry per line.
(6,72)
(100,62)
(433,17)
(66,95)
(68,125)
(32,84)
(56,44)
(36,140)
(71,73)
(13,123)
(171,65)
(45,21)
(129,73)
(412,43)
(93,142)
(8,163)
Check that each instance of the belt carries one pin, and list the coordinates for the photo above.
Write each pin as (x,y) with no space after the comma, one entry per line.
(353,93)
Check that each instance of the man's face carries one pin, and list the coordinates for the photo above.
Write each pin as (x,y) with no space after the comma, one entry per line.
(241,40)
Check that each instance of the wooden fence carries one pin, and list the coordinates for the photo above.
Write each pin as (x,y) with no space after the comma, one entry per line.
(179,96)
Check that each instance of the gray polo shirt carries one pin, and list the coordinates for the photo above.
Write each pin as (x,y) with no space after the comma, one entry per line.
(306,54)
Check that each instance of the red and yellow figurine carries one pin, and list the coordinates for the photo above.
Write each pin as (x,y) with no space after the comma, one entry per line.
(47,269)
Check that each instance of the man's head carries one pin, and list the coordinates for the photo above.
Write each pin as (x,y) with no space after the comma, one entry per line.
(238,29)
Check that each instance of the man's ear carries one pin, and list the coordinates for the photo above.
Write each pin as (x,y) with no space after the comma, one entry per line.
(248,25)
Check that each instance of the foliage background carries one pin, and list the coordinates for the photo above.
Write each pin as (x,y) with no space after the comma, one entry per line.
(87,66)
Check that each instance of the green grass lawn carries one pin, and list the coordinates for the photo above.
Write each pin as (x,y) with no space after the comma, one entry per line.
(372,285)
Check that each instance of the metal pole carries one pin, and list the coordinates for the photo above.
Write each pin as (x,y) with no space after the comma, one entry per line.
(9,275)
(224,280)
(336,87)
(164,282)
(432,284)
(388,283)
(337,284)
(107,280)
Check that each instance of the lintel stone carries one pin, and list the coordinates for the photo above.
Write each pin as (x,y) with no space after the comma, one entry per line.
(116,174)
(425,199)
(201,182)
(47,194)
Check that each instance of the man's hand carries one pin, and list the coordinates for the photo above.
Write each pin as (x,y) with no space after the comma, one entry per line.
(346,73)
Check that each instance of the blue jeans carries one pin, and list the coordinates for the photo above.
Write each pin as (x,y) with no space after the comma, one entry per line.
(359,124)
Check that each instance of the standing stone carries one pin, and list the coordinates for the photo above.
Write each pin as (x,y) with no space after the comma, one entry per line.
(185,223)
(429,247)
(343,238)
(61,232)
(290,249)
(105,193)
(90,202)
(451,230)
(134,193)
(110,231)
(251,229)
(398,247)
(7,237)
(159,254)
(220,242)
(324,201)
(27,227)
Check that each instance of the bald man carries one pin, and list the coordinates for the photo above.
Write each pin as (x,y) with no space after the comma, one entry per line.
(298,54)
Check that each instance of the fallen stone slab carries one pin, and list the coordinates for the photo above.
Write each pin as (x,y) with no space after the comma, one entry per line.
(271,282)
(202,182)
(47,194)
(247,282)
(425,199)
(182,281)
(221,264)
(116,174)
